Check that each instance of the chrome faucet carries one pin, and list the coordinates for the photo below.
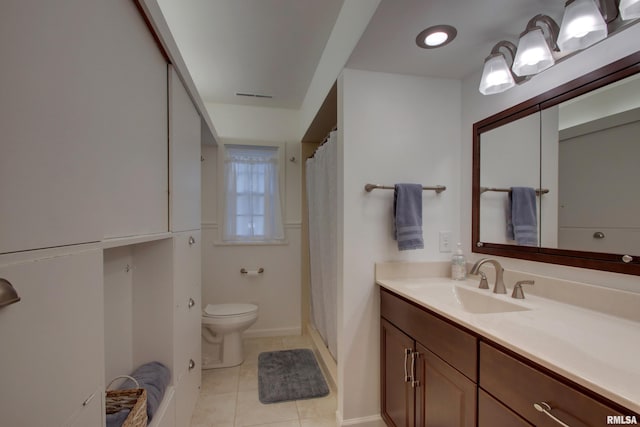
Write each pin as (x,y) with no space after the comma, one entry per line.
(517,288)
(498,287)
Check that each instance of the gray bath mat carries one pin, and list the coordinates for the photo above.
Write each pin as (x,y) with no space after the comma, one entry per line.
(289,375)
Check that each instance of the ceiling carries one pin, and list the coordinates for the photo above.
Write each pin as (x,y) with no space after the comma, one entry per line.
(388,44)
(272,47)
(264,47)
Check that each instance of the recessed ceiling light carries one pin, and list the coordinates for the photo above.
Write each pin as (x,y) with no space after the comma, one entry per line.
(436,36)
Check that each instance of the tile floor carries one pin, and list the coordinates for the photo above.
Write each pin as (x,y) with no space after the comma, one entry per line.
(229,396)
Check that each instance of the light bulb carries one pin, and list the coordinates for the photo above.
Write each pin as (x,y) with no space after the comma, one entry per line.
(582,26)
(533,54)
(496,76)
(436,39)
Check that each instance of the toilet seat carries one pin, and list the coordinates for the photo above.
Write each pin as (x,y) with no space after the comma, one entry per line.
(229,310)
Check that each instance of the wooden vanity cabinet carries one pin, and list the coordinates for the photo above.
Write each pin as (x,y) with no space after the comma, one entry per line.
(519,385)
(434,373)
(398,397)
(420,388)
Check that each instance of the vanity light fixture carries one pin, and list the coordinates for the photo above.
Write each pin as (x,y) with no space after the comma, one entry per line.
(534,52)
(629,9)
(582,25)
(585,22)
(436,36)
(497,75)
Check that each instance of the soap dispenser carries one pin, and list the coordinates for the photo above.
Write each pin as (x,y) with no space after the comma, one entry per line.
(458,265)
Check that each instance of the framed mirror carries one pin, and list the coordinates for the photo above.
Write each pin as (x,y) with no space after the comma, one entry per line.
(563,166)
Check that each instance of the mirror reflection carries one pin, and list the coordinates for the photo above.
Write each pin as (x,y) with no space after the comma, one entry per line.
(598,153)
(582,158)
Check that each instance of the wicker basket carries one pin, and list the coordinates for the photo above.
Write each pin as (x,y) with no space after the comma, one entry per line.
(134,399)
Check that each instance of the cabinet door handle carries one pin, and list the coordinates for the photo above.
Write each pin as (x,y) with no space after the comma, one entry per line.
(407,352)
(192,241)
(192,364)
(545,408)
(414,382)
(88,399)
(191,303)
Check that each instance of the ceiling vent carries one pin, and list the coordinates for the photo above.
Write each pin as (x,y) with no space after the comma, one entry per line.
(253,95)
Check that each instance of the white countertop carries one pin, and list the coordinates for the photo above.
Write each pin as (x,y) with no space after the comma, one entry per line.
(598,351)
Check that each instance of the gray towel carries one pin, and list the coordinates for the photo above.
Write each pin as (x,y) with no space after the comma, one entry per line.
(117,418)
(153,377)
(522,223)
(407,216)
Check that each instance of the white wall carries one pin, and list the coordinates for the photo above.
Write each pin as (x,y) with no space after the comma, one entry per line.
(222,282)
(391,128)
(351,23)
(477,107)
(118,312)
(259,123)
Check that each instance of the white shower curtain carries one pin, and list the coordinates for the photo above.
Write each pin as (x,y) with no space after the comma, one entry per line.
(322,187)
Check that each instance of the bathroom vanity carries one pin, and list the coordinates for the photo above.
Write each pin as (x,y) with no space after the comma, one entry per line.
(452,354)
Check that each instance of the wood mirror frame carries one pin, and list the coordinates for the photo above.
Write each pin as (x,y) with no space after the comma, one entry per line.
(593,260)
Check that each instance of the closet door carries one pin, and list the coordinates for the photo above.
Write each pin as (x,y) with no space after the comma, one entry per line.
(52,354)
(187,332)
(184,140)
(49,180)
(131,90)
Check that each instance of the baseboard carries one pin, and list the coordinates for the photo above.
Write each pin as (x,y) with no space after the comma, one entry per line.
(274,332)
(371,421)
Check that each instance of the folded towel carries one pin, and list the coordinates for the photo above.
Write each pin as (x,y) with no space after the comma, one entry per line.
(154,377)
(407,215)
(117,418)
(522,223)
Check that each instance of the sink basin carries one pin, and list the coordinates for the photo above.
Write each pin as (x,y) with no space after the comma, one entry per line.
(478,303)
(469,300)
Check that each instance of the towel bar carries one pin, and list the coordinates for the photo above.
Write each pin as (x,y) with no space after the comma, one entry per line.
(539,191)
(370,187)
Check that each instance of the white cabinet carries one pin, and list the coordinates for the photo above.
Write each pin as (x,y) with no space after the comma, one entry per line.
(131,100)
(52,353)
(184,141)
(48,162)
(187,320)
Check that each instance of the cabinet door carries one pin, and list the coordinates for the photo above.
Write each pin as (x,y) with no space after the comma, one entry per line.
(444,397)
(184,140)
(52,355)
(187,327)
(91,413)
(519,386)
(397,394)
(49,185)
(187,391)
(492,413)
(131,106)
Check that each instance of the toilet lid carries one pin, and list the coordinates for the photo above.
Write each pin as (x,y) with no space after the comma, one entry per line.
(229,309)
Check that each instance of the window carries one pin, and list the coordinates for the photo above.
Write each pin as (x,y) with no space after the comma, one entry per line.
(252,195)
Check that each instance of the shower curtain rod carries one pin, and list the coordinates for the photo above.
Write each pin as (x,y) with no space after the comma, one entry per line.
(370,187)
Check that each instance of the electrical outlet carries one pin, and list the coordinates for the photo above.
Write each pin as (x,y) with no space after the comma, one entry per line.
(445,241)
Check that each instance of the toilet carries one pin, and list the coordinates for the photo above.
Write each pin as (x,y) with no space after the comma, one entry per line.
(222,327)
